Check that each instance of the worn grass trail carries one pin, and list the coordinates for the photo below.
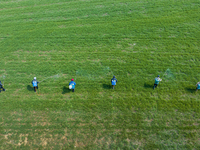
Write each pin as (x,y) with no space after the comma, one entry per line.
(91,41)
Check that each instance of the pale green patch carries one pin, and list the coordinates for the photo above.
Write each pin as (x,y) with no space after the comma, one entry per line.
(168,75)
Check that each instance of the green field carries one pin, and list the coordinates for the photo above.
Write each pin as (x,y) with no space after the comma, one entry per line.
(90,41)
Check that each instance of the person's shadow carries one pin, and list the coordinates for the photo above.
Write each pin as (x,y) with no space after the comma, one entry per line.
(30,88)
(65,90)
(146,85)
(190,90)
(107,86)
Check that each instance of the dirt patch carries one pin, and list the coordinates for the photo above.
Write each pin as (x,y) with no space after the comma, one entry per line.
(79,144)
(40,124)
(7,135)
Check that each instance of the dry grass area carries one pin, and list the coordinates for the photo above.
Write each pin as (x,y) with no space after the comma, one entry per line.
(50,130)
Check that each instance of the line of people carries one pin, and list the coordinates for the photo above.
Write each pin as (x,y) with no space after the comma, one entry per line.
(72,84)
(113,83)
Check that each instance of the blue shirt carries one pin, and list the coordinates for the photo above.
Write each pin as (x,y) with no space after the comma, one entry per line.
(35,83)
(198,86)
(157,80)
(113,81)
(73,84)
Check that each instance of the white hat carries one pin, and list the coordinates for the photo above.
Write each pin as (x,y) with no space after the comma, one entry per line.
(34,78)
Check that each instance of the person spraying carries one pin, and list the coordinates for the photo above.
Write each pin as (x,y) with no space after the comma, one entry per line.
(72,85)
(1,87)
(198,86)
(113,82)
(157,80)
(35,84)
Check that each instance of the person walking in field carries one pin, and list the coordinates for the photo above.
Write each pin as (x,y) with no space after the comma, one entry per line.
(157,80)
(198,86)
(1,87)
(113,82)
(35,84)
(72,85)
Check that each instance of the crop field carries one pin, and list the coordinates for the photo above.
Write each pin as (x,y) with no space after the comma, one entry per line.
(90,41)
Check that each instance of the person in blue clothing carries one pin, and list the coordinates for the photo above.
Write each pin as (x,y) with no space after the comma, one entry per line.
(35,84)
(72,85)
(157,80)
(113,82)
(1,87)
(198,86)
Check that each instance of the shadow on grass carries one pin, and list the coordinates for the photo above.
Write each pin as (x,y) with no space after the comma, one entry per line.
(190,90)
(107,86)
(65,90)
(30,88)
(148,85)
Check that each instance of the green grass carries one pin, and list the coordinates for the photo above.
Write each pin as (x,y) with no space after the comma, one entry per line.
(91,41)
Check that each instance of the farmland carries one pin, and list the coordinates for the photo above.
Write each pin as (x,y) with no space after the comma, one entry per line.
(90,41)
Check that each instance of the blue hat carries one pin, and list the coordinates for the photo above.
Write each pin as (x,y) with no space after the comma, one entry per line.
(158,75)
(113,76)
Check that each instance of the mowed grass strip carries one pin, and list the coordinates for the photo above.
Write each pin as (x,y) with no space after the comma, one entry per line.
(91,41)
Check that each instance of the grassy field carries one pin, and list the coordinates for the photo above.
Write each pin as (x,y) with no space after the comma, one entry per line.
(90,41)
